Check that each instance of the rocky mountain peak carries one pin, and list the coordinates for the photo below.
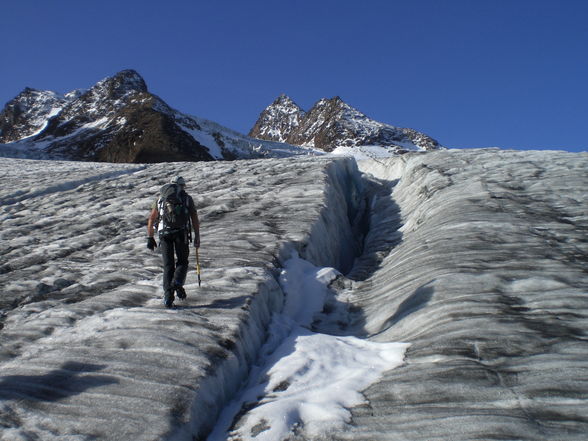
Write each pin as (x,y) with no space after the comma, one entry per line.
(30,98)
(336,111)
(115,120)
(119,120)
(336,101)
(278,119)
(333,109)
(284,100)
(284,106)
(27,113)
(108,95)
(124,82)
(333,123)
(103,101)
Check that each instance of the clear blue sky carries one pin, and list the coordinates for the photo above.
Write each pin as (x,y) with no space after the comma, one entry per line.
(470,73)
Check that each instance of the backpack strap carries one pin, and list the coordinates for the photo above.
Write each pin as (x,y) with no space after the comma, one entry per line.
(186,201)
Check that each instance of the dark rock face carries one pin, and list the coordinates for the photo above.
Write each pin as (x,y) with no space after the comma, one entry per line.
(150,136)
(332,123)
(116,120)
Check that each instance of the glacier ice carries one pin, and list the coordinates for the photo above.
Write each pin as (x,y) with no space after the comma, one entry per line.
(476,258)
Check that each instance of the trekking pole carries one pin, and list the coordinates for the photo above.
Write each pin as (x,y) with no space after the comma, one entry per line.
(198,266)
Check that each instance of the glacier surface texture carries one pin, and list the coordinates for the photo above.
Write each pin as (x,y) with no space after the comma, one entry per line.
(458,278)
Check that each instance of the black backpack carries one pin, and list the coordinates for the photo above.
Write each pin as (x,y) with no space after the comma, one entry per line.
(174,212)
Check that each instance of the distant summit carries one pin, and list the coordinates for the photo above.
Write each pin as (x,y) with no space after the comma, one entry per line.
(119,120)
(332,123)
(116,120)
(278,120)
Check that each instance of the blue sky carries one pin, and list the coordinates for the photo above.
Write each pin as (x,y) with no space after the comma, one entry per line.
(470,73)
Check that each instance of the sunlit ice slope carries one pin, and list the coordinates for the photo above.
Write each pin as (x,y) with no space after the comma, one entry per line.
(87,349)
(476,259)
(487,278)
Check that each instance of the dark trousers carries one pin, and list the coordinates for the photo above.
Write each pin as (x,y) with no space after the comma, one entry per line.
(172,245)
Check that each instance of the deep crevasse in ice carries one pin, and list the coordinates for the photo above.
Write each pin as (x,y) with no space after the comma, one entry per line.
(485,278)
(304,381)
(87,350)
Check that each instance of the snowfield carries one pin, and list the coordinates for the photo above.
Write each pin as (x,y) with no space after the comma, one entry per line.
(429,296)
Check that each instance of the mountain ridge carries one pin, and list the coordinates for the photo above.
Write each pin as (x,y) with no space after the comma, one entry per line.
(119,120)
(116,120)
(332,123)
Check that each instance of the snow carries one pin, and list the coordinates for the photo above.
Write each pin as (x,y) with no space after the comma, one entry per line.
(305,287)
(100,123)
(304,378)
(43,121)
(207,140)
(436,295)
(241,146)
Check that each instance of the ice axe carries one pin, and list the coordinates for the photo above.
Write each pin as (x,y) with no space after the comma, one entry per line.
(198,266)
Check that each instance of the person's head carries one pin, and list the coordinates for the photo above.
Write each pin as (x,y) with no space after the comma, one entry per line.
(178,180)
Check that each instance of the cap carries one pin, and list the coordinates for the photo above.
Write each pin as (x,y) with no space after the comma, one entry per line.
(178,180)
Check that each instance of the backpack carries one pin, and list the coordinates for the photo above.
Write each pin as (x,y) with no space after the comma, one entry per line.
(174,213)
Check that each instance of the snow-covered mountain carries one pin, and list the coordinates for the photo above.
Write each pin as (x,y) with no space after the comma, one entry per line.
(438,296)
(119,120)
(278,120)
(333,124)
(28,114)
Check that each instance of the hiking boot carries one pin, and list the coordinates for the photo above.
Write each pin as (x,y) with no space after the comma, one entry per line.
(181,292)
(168,301)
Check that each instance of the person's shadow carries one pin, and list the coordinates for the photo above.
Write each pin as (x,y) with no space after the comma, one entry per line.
(66,381)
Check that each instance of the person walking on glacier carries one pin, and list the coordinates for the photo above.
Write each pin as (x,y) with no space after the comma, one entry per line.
(174,216)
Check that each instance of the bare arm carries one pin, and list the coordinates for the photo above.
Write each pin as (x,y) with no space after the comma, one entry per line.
(151,222)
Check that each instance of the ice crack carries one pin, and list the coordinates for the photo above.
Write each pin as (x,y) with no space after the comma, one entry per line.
(304,380)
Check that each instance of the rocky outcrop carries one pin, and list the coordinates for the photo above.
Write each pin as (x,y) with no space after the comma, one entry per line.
(278,120)
(116,120)
(27,114)
(332,123)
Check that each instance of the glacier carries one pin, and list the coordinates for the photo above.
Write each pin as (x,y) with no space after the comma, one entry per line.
(457,277)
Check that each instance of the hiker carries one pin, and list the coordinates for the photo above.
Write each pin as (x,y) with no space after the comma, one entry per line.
(173,214)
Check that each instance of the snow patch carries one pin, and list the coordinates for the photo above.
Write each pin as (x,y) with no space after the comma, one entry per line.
(305,380)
